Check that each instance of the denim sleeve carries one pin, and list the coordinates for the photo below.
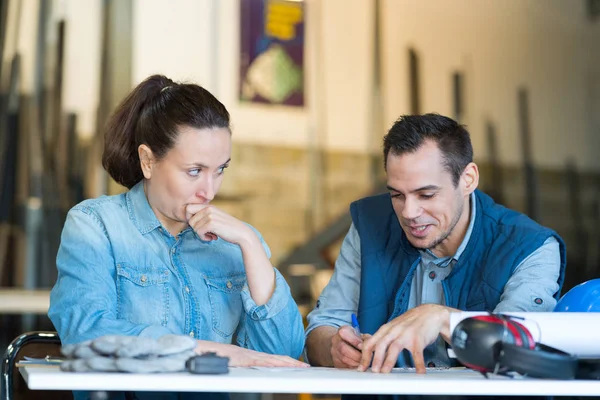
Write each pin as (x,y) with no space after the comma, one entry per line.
(274,327)
(83,301)
(339,299)
(534,282)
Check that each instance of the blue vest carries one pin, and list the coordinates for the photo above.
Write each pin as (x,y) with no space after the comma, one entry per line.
(500,240)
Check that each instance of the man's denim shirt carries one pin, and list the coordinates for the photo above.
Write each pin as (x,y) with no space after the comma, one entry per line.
(120,272)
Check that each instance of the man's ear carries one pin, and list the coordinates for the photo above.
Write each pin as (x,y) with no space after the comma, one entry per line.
(146,160)
(470,178)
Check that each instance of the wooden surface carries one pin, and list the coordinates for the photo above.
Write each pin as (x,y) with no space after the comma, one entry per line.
(20,301)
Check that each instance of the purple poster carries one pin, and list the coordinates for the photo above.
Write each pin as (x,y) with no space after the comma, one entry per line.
(272,52)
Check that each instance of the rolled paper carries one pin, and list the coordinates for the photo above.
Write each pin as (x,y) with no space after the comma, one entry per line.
(573,332)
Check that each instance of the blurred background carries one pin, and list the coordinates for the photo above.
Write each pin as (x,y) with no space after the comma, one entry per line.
(312,86)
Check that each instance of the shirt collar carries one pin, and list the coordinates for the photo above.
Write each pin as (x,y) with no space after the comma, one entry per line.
(139,209)
(465,241)
(429,254)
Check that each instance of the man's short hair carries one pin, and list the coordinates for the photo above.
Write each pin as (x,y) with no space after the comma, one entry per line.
(409,133)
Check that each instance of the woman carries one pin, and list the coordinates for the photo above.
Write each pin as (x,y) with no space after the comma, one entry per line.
(159,258)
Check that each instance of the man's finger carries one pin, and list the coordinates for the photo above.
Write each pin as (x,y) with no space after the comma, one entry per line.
(419,361)
(379,355)
(349,336)
(349,363)
(350,352)
(365,360)
(391,357)
(364,336)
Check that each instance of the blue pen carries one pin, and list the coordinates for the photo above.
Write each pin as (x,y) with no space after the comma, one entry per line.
(355,325)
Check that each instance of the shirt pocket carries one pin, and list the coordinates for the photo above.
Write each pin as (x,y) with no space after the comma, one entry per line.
(225,295)
(143,294)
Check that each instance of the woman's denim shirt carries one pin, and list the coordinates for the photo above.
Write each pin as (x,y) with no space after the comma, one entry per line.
(120,272)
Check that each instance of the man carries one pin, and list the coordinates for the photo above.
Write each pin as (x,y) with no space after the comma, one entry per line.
(432,245)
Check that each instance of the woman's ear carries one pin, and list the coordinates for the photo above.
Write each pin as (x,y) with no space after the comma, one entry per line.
(146,160)
(470,178)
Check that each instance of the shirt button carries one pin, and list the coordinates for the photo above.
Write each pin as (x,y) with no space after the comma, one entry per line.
(192,334)
(173,250)
(143,278)
(187,289)
(229,285)
(432,275)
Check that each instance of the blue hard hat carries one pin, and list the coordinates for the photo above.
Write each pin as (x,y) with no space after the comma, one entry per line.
(584,297)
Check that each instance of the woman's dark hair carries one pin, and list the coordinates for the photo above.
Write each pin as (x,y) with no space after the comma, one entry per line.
(151,114)
(409,133)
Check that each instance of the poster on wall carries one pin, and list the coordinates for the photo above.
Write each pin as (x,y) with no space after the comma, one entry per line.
(272,52)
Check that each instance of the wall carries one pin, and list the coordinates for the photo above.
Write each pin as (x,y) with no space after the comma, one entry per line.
(546,46)
(196,47)
(81,60)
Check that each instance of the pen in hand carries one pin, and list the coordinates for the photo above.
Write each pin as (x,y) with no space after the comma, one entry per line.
(355,326)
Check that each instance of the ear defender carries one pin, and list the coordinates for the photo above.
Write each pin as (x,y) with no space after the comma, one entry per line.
(500,344)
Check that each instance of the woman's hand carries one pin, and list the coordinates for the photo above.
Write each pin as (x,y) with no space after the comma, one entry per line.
(240,357)
(209,222)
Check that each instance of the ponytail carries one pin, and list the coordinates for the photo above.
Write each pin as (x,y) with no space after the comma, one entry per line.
(120,157)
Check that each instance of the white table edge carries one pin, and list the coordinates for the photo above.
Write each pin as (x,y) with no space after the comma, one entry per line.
(334,382)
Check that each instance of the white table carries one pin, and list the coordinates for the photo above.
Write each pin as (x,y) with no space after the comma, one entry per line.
(311,380)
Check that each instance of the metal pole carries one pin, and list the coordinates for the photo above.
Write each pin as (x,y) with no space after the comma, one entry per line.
(458,95)
(317,111)
(35,200)
(215,45)
(531,189)
(9,120)
(496,178)
(579,247)
(413,68)
(376,99)
(3,29)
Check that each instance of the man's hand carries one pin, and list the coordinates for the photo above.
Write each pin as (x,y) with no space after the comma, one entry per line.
(345,348)
(414,330)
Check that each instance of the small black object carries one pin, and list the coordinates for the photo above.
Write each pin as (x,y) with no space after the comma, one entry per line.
(588,368)
(540,362)
(208,363)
